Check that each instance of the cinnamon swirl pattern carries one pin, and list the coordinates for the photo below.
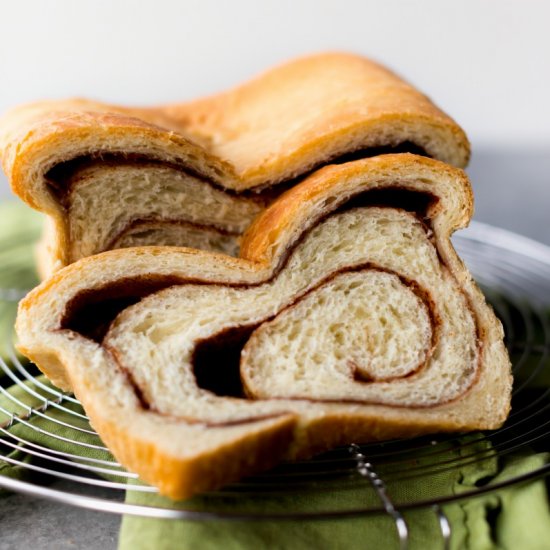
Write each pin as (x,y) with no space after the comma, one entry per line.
(197,174)
(348,318)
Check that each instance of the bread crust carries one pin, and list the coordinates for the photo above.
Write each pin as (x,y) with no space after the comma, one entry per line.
(279,126)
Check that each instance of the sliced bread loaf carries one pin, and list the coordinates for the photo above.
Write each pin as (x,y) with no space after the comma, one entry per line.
(349,318)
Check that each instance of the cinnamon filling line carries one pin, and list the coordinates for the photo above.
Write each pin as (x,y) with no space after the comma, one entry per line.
(64,175)
(161,222)
(225,347)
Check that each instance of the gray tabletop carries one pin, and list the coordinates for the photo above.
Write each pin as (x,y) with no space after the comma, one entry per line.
(512,190)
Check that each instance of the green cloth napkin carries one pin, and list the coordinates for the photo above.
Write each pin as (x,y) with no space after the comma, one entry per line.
(19,230)
(515,518)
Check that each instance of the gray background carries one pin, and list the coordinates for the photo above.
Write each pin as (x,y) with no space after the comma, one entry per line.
(484,61)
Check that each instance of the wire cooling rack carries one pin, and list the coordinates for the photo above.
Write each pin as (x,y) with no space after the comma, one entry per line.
(514,273)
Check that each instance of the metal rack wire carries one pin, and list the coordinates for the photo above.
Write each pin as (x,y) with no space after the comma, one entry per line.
(515,275)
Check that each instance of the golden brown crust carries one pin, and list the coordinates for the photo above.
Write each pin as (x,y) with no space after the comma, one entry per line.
(278,125)
(270,127)
(304,204)
(37,137)
(178,477)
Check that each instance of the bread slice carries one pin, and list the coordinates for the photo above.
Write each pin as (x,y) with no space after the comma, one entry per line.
(349,318)
(110,176)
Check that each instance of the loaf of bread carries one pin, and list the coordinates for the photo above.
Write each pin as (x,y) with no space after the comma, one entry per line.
(349,318)
(196,174)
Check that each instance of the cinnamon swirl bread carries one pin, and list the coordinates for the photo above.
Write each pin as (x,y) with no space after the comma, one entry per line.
(197,174)
(349,318)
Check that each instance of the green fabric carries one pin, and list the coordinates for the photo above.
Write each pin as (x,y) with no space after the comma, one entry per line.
(31,431)
(19,230)
(515,518)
